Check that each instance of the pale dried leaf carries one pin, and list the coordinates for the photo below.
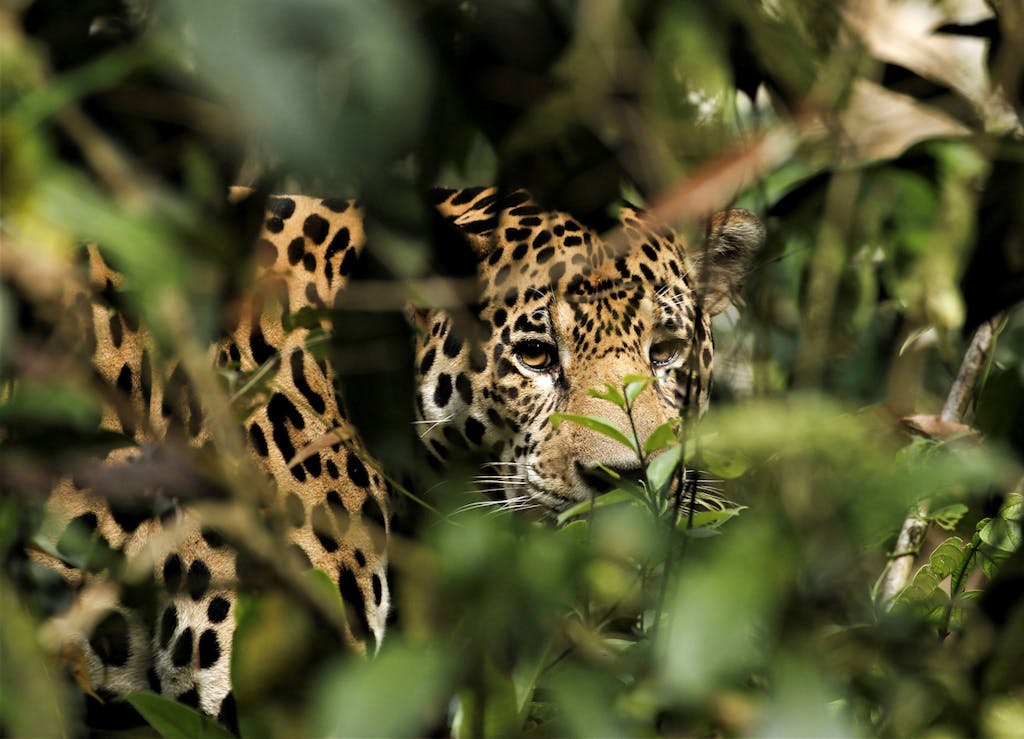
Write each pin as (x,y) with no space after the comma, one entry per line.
(933,427)
(338,434)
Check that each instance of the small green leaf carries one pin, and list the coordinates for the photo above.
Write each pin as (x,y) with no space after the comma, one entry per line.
(709,519)
(949,516)
(634,385)
(726,466)
(948,557)
(661,467)
(596,424)
(1013,509)
(610,393)
(992,560)
(923,591)
(174,720)
(613,497)
(1001,534)
(662,436)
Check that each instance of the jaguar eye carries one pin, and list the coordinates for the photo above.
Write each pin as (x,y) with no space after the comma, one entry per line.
(665,352)
(537,355)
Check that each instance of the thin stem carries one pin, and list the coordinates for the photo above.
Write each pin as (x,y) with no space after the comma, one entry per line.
(957,583)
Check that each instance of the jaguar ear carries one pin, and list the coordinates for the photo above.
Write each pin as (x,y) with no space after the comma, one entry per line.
(731,239)
(472,212)
(463,233)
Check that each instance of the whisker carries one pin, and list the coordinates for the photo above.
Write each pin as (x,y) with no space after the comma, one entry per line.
(491,504)
(427,420)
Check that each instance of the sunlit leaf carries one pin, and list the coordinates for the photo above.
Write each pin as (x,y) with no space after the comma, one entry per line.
(949,516)
(633,385)
(661,468)
(662,436)
(613,497)
(1001,534)
(712,519)
(596,424)
(948,557)
(610,393)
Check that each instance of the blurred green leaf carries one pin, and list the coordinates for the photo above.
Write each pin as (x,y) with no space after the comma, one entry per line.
(725,466)
(174,720)
(32,703)
(358,698)
(334,67)
(948,516)
(586,705)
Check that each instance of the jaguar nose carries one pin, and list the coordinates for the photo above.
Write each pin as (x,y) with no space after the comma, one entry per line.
(599,479)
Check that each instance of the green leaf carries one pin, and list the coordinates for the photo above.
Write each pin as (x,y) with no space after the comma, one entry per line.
(662,436)
(1001,534)
(610,393)
(709,519)
(1013,509)
(923,589)
(949,516)
(525,676)
(634,385)
(661,467)
(501,715)
(726,466)
(358,698)
(991,560)
(948,557)
(174,720)
(596,424)
(613,497)
(322,581)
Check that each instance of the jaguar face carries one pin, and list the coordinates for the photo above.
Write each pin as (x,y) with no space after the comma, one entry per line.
(563,311)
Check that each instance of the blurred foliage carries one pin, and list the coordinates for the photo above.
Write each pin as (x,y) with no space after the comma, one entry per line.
(895,229)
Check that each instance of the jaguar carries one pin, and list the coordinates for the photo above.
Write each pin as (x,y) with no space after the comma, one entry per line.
(560,310)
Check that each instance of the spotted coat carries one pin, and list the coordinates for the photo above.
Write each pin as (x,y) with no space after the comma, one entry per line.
(561,310)
(333,501)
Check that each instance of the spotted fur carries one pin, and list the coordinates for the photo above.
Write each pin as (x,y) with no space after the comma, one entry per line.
(601,308)
(333,502)
(550,289)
